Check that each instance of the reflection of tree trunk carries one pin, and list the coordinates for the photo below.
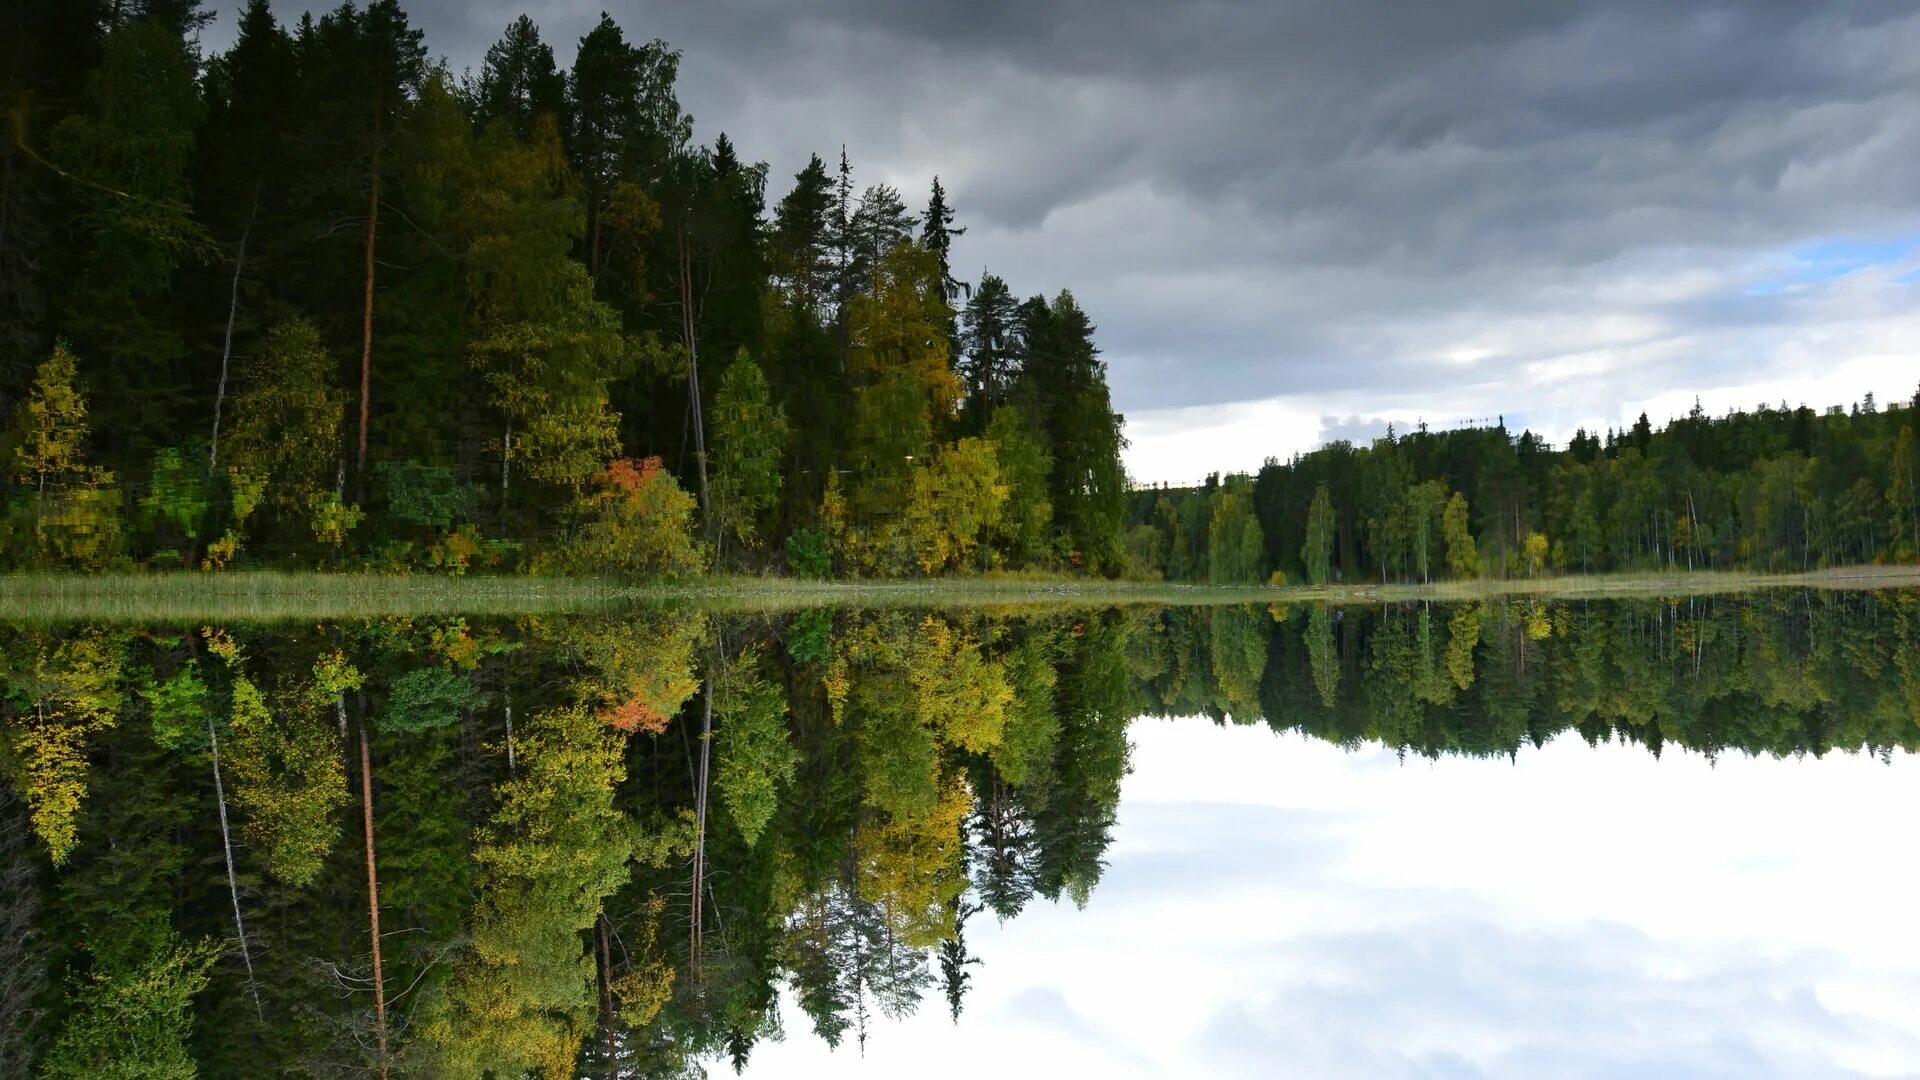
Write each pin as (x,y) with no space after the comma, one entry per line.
(233,885)
(700,819)
(373,898)
(226,349)
(506,458)
(366,323)
(606,997)
(507,693)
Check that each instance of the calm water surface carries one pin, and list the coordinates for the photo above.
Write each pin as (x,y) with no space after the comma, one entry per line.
(1515,838)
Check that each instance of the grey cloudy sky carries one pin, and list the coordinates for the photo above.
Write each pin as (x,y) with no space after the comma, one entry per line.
(1302,220)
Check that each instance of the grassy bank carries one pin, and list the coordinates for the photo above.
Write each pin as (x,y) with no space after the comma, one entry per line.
(271,596)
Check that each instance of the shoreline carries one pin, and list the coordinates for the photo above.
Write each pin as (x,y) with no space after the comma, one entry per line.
(268,595)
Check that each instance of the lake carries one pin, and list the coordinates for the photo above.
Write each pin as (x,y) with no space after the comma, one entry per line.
(1509,838)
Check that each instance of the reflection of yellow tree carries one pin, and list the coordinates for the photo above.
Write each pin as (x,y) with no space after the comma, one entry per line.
(911,866)
(284,756)
(522,999)
(1463,636)
(71,690)
(959,693)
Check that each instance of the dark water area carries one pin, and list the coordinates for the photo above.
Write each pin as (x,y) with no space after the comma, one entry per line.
(1504,838)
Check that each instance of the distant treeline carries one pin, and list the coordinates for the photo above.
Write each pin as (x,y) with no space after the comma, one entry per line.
(1768,490)
(1778,673)
(316,300)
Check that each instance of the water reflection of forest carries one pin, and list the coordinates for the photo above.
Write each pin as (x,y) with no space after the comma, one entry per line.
(605,843)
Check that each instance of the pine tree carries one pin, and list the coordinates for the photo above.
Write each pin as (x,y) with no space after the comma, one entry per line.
(519,82)
(990,346)
(803,259)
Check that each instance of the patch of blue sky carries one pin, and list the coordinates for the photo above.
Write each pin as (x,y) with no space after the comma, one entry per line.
(1836,257)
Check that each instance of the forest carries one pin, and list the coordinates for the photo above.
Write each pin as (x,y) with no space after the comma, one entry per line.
(607,845)
(318,301)
(1772,490)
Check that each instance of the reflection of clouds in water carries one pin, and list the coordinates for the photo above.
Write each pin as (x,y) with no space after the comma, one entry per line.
(1465,998)
(1276,906)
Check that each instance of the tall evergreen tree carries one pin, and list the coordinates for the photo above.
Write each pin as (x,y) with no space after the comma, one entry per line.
(519,82)
(936,235)
(991,349)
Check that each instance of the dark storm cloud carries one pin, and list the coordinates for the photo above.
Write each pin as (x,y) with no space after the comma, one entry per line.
(1256,199)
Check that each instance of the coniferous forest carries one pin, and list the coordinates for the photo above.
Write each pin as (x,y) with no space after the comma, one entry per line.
(1773,490)
(318,301)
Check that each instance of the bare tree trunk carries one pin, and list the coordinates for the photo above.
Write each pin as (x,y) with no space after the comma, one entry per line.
(373,898)
(690,338)
(233,884)
(226,348)
(507,693)
(366,323)
(700,820)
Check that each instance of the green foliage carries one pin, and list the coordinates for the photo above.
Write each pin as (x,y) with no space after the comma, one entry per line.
(1318,552)
(750,434)
(1321,658)
(177,491)
(1032,727)
(179,705)
(288,781)
(1067,382)
(807,553)
(133,1023)
(810,637)
(284,448)
(426,698)
(1024,532)
(128,155)
(1236,547)
(754,755)
(49,429)
(426,496)
(1463,556)
(546,347)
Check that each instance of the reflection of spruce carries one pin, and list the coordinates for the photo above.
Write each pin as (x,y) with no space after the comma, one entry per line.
(954,958)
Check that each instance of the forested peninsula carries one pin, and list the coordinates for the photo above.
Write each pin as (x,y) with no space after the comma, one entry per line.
(320,302)
(1772,491)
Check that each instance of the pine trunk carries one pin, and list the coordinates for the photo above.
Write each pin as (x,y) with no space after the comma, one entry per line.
(373,899)
(366,324)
